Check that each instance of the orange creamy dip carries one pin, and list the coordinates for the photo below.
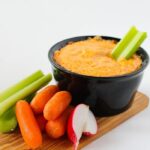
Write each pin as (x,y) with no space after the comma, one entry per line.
(92,57)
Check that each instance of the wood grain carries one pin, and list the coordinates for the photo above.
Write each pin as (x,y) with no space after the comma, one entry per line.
(14,140)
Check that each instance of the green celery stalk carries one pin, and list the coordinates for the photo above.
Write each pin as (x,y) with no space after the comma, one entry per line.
(133,45)
(124,42)
(8,121)
(33,87)
(20,85)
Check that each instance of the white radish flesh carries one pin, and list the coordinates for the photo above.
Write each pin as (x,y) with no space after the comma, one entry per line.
(91,125)
(76,123)
(81,121)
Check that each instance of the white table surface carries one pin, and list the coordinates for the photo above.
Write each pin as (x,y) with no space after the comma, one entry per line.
(28,28)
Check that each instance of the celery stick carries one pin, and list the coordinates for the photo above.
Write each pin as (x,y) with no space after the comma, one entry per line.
(133,45)
(8,121)
(33,87)
(124,42)
(20,85)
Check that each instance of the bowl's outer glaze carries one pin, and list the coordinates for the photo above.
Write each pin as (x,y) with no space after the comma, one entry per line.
(105,95)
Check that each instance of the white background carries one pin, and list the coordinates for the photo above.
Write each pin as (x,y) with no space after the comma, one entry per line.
(28,28)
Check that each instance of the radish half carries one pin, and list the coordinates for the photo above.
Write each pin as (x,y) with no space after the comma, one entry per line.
(91,125)
(76,123)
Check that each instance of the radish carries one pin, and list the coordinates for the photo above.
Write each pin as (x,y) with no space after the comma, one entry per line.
(81,121)
(76,123)
(91,125)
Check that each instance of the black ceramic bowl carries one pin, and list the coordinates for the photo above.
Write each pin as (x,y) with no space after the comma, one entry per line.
(105,95)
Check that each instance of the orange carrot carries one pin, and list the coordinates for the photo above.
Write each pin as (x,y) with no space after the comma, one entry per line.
(57,128)
(42,98)
(28,125)
(57,104)
(41,121)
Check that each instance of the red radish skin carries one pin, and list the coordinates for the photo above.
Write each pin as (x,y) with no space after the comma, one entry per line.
(75,127)
(88,134)
(70,131)
(91,125)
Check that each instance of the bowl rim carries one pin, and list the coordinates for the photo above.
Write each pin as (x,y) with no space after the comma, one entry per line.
(51,51)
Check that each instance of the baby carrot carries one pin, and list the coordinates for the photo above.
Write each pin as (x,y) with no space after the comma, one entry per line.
(57,104)
(28,125)
(42,98)
(41,122)
(57,128)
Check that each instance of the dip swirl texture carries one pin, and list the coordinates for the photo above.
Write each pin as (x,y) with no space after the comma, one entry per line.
(92,57)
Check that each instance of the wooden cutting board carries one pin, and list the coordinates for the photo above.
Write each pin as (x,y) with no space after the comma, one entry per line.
(14,140)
